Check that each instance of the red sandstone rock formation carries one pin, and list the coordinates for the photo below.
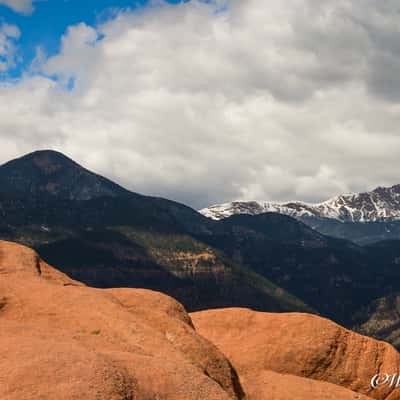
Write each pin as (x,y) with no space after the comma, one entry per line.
(269,385)
(319,356)
(62,340)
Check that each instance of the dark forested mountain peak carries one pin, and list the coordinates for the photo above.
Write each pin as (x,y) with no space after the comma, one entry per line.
(48,162)
(51,173)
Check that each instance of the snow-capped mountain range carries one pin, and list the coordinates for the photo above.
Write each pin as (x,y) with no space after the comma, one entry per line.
(382,204)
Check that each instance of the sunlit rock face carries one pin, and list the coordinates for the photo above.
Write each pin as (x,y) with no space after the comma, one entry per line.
(68,341)
(307,355)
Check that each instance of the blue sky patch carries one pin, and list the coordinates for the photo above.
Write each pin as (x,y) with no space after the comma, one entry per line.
(49,21)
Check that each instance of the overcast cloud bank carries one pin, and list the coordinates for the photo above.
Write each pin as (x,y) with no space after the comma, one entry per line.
(205,103)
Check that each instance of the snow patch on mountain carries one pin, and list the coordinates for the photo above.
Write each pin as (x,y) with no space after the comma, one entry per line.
(382,204)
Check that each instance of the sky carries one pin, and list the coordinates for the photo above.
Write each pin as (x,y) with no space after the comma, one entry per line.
(207,101)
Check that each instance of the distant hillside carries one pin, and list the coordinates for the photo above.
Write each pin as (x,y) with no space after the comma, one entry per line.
(106,236)
(363,218)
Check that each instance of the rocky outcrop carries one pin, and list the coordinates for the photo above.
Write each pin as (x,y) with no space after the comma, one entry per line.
(62,340)
(301,345)
(269,385)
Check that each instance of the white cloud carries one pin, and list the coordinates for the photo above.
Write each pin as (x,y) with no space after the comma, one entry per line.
(8,35)
(272,100)
(21,6)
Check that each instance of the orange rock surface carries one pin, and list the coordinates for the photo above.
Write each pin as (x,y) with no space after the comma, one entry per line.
(269,385)
(308,355)
(62,340)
